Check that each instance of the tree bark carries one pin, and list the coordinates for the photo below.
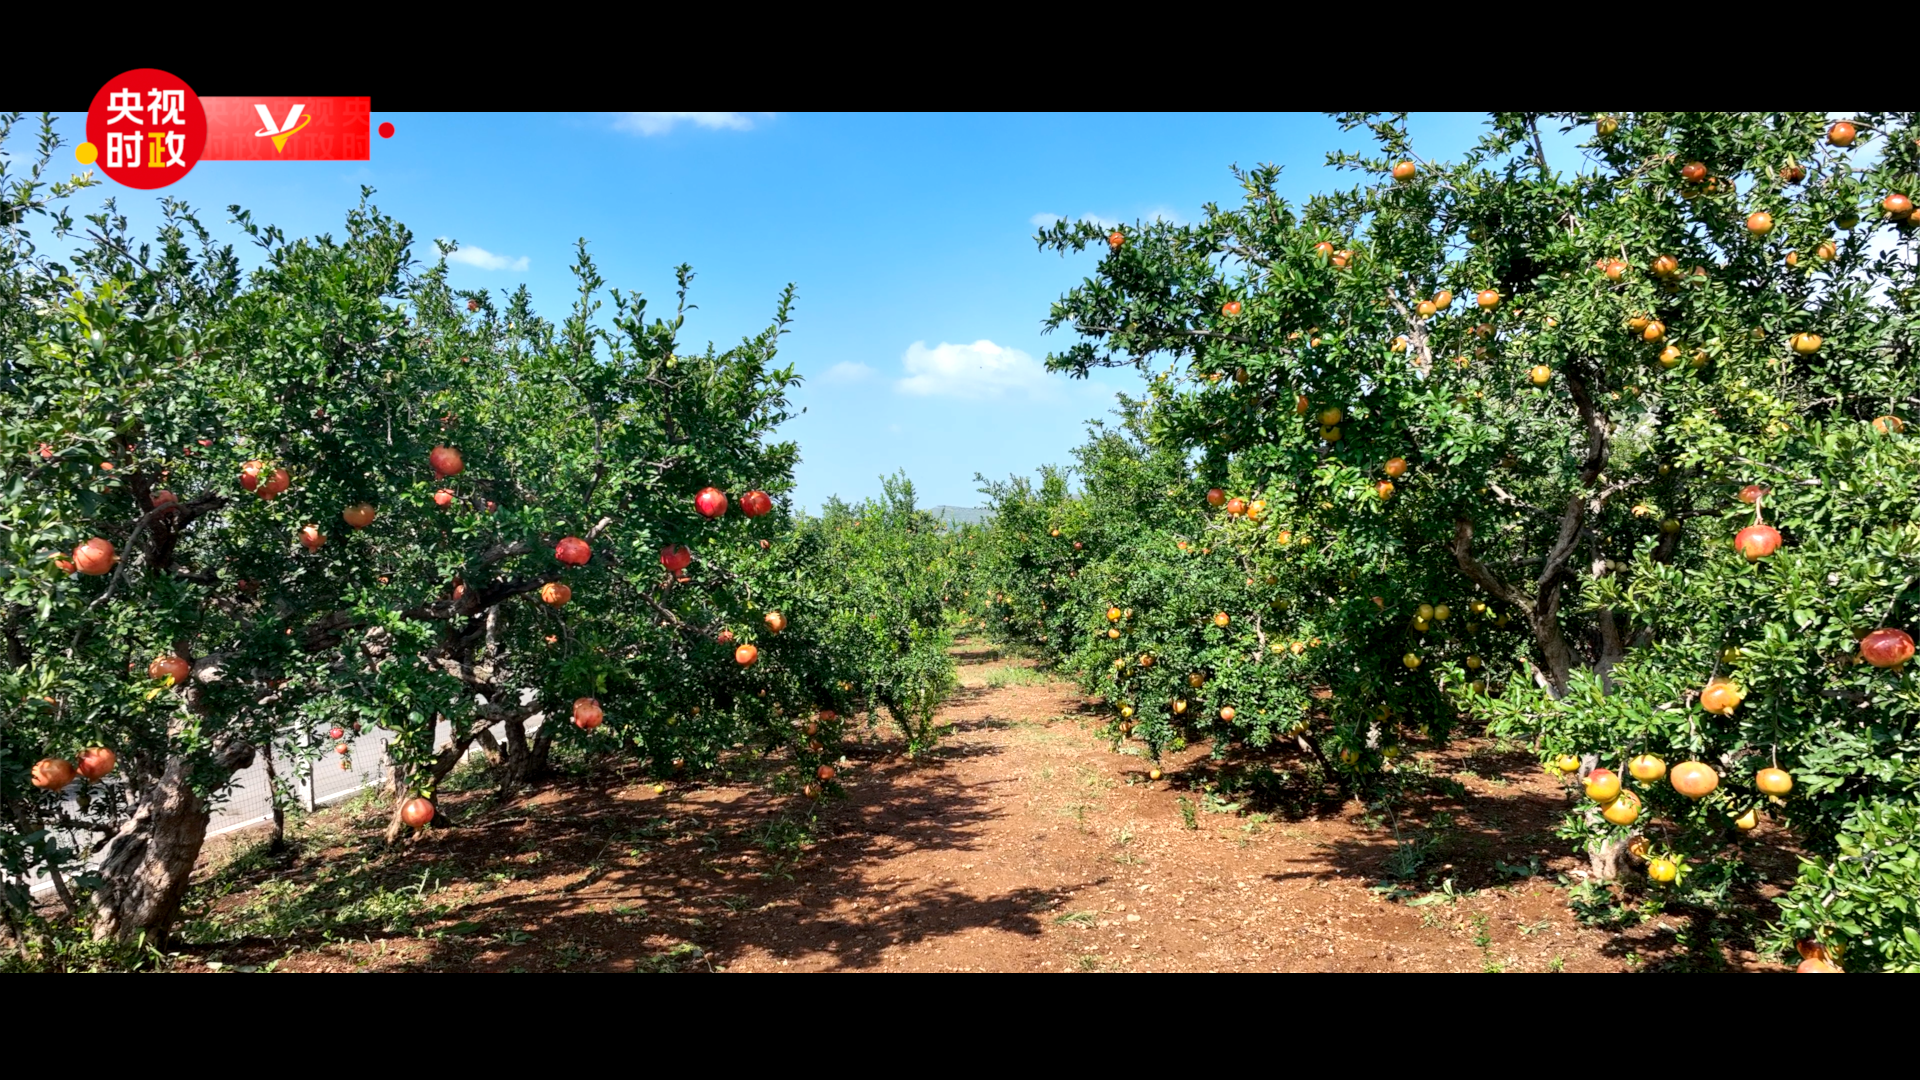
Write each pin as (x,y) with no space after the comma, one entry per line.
(279,842)
(526,761)
(1603,861)
(149,861)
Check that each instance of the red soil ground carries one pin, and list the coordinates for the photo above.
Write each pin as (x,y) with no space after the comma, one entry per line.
(1024,843)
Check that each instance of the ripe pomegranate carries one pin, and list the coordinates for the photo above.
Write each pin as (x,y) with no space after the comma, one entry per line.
(1887,647)
(1215,496)
(675,557)
(1889,425)
(1773,781)
(1603,785)
(1220,618)
(776,622)
(1897,205)
(587,714)
(1323,248)
(1404,170)
(1760,223)
(1805,344)
(310,537)
(1663,870)
(443,498)
(359,515)
(1114,240)
(1236,507)
(1694,779)
(1666,266)
(1757,541)
(824,772)
(275,484)
(417,812)
(756,502)
(1624,809)
(1488,298)
(1647,768)
(1226,713)
(1753,493)
(337,733)
(1693,172)
(169,667)
(94,557)
(1384,489)
(711,502)
(1230,308)
(1817,966)
(163,499)
(250,474)
(724,637)
(1841,134)
(555,593)
(1721,697)
(96,762)
(52,774)
(745,655)
(573,551)
(1396,467)
(446,461)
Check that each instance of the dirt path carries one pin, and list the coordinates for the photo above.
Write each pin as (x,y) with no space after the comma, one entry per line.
(1025,844)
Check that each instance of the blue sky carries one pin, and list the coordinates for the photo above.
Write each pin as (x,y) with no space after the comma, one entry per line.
(921,292)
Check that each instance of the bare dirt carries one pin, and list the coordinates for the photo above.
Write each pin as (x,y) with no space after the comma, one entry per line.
(1024,843)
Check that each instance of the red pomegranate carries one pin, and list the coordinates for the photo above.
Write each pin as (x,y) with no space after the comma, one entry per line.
(250,474)
(446,461)
(755,502)
(275,484)
(711,502)
(1757,541)
(443,497)
(1887,647)
(94,557)
(417,812)
(675,557)
(53,774)
(555,593)
(745,655)
(573,551)
(169,667)
(96,762)
(587,714)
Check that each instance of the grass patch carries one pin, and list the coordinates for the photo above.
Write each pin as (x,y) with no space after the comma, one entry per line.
(1011,675)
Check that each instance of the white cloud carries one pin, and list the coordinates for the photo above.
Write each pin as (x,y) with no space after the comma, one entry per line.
(659,123)
(1103,222)
(847,371)
(481,258)
(1044,220)
(977,371)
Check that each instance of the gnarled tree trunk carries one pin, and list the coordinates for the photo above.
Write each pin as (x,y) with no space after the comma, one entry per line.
(149,861)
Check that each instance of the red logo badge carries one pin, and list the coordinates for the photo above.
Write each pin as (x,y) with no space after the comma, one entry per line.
(145,129)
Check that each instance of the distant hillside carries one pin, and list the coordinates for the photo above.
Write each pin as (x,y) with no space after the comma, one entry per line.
(959,515)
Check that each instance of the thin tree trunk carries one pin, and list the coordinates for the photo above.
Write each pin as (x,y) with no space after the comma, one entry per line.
(1603,862)
(279,842)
